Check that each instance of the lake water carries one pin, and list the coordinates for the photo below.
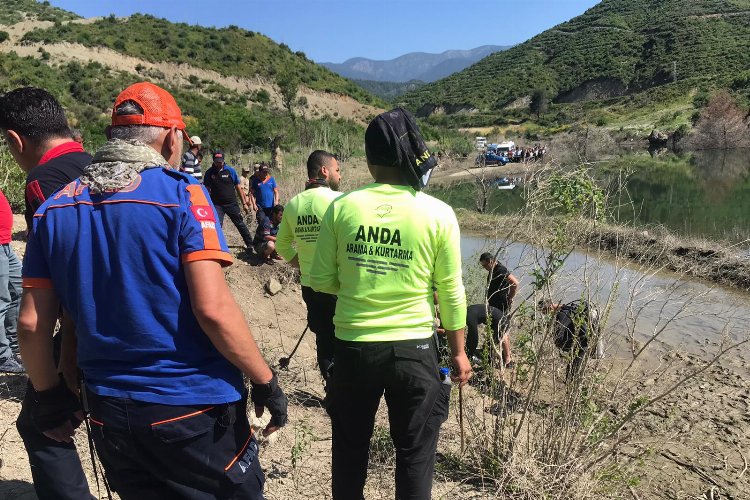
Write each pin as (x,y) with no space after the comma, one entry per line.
(695,316)
(705,194)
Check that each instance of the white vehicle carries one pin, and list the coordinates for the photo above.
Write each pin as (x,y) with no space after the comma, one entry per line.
(480,143)
(505,147)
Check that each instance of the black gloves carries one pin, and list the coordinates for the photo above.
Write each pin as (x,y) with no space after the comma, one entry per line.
(54,407)
(271,396)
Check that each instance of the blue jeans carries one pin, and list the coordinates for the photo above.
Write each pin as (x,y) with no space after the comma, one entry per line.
(10,298)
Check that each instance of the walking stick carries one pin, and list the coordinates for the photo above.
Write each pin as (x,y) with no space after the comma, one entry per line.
(284,362)
(461,415)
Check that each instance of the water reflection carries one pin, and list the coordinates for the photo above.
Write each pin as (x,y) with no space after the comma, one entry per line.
(705,194)
(694,316)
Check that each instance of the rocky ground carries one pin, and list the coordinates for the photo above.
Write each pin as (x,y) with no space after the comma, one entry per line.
(693,444)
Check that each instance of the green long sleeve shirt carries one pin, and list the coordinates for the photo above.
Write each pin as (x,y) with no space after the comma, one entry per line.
(300,226)
(381,249)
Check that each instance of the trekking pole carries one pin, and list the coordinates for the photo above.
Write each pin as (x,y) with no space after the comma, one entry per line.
(461,415)
(284,362)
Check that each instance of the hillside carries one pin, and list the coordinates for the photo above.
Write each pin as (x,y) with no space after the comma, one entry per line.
(421,66)
(389,90)
(230,51)
(618,47)
(225,80)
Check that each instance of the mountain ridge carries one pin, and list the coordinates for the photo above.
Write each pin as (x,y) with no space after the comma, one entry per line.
(422,66)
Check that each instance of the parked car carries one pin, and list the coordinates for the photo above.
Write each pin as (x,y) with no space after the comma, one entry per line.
(490,158)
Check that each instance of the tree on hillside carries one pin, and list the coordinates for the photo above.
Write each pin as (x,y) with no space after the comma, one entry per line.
(722,125)
(539,102)
(288,84)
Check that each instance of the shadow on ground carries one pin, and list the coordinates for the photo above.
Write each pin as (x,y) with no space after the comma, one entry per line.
(12,388)
(17,490)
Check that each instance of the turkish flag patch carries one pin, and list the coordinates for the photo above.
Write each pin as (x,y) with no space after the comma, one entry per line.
(203,212)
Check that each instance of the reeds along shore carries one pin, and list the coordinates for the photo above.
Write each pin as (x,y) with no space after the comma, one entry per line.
(655,246)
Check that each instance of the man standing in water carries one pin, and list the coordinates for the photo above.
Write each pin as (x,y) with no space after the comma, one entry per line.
(300,226)
(502,286)
(381,249)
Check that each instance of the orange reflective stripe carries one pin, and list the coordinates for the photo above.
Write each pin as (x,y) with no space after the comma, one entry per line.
(210,236)
(94,421)
(36,283)
(182,417)
(222,257)
(242,450)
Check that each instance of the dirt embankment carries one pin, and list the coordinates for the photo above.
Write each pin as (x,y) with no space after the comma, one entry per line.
(655,247)
(178,75)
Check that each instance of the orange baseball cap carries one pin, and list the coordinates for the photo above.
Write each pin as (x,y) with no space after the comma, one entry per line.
(159,108)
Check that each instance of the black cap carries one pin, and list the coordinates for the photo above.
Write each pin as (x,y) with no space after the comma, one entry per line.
(393,140)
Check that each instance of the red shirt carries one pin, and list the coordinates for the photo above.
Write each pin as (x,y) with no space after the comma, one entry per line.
(6,220)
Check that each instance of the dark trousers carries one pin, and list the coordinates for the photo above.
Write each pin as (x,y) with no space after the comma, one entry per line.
(408,374)
(156,452)
(320,310)
(262,213)
(234,213)
(55,467)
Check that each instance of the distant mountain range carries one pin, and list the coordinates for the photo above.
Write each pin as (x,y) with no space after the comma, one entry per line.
(421,66)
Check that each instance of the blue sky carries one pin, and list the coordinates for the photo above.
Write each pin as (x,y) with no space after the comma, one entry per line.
(335,30)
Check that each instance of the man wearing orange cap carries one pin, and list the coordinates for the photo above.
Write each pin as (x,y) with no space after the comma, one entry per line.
(132,250)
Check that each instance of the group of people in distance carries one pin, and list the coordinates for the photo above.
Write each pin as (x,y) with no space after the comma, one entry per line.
(126,253)
(257,192)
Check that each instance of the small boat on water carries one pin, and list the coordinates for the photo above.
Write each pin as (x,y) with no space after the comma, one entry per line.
(504,183)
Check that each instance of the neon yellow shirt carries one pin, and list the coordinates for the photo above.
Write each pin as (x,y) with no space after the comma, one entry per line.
(300,226)
(381,249)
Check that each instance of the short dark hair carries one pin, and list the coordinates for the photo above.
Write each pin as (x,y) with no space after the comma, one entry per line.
(277,209)
(316,161)
(33,113)
(486,257)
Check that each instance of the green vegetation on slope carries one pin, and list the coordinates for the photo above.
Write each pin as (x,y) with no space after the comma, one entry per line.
(229,51)
(12,11)
(88,91)
(389,90)
(615,48)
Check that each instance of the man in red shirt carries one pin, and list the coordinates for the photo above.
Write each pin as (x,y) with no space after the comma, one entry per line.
(10,293)
(36,130)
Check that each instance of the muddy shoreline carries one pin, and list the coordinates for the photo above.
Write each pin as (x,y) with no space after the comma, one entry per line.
(696,440)
(657,247)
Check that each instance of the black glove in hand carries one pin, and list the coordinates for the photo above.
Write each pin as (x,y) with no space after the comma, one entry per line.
(271,396)
(53,407)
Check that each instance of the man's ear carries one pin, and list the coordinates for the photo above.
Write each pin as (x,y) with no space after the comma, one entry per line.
(171,148)
(15,141)
(324,172)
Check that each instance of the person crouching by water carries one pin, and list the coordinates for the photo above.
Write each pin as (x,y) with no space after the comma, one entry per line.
(381,249)
(576,331)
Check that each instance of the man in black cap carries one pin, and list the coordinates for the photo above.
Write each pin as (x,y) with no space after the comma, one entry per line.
(222,183)
(381,249)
